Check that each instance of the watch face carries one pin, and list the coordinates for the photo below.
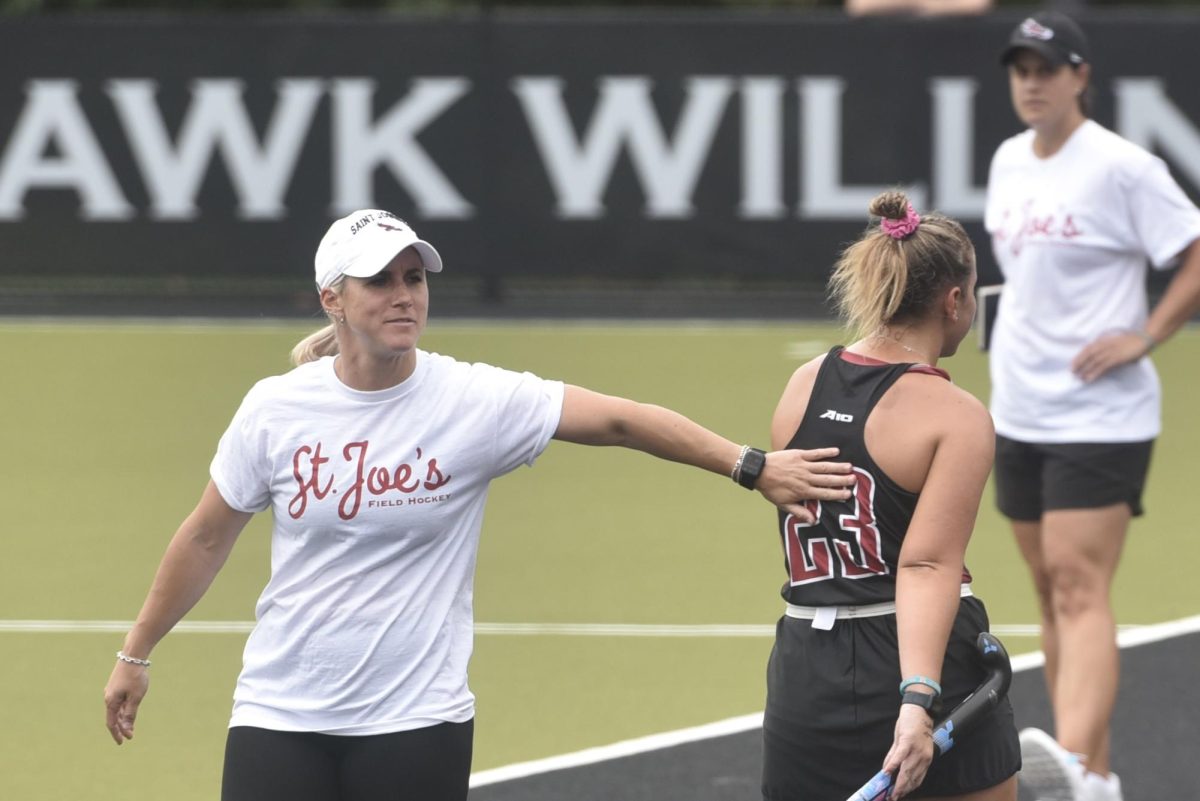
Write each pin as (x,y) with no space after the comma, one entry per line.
(752,466)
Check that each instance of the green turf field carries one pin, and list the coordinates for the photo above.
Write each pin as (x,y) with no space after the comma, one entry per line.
(108,430)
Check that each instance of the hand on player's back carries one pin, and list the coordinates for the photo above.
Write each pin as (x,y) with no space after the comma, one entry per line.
(794,476)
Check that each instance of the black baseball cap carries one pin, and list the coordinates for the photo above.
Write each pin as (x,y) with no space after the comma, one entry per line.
(1051,34)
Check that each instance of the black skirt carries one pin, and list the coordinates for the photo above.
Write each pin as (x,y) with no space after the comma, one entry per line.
(832,701)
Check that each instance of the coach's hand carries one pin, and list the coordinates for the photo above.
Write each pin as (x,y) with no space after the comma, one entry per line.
(126,687)
(1110,350)
(791,477)
(911,751)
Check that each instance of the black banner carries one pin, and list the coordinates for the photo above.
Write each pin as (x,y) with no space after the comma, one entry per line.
(656,145)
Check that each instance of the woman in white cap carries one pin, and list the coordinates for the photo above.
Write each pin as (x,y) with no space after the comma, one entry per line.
(375,458)
(1075,212)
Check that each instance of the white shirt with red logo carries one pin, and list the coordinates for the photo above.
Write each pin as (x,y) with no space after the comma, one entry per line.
(1072,234)
(365,626)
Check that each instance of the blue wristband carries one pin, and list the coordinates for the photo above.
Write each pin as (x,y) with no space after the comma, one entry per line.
(928,682)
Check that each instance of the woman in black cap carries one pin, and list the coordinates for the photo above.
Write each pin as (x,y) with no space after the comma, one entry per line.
(1075,212)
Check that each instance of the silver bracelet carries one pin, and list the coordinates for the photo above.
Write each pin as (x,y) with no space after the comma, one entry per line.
(133,660)
(1147,337)
(736,473)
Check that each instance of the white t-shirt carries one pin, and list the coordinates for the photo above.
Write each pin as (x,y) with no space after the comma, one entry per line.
(365,626)
(1072,234)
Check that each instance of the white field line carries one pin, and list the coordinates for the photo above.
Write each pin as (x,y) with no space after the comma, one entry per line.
(488,629)
(1127,638)
(640,745)
(119,626)
(501,629)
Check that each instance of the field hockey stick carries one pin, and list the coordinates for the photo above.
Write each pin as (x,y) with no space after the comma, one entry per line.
(962,718)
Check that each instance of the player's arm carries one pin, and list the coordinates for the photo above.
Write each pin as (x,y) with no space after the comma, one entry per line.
(1178,304)
(191,562)
(591,418)
(930,568)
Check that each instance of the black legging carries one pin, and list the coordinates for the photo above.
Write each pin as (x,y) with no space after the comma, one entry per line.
(428,764)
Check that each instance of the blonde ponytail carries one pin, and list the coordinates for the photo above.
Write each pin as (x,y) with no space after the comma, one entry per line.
(315,345)
(895,270)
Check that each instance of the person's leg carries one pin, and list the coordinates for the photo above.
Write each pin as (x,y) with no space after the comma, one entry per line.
(1020,476)
(1004,791)
(265,765)
(1081,549)
(427,764)
(1028,535)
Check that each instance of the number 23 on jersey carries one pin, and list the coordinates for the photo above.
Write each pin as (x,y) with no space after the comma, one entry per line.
(812,549)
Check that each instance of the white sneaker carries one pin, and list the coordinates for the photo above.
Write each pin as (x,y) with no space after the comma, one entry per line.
(1050,772)
(1100,788)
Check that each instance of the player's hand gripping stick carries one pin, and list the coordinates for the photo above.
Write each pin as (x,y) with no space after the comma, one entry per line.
(962,718)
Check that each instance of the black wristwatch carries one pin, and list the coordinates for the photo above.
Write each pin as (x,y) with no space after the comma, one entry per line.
(931,703)
(752,466)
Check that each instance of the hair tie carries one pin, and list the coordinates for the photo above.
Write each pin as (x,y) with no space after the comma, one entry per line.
(898,229)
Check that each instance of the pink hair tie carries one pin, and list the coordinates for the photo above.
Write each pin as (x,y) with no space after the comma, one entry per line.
(898,229)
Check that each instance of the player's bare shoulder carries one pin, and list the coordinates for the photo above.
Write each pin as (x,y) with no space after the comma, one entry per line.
(807,372)
(966,409)
(943,404)
(956,415)
(794,400)
(800,384)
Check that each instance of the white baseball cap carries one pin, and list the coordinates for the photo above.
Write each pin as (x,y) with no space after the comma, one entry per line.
(364,242)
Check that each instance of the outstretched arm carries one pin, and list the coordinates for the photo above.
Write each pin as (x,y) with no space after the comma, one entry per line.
(193,558)
(590,418)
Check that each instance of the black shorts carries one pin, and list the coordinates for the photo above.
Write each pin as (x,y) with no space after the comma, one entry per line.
(832,701)
(427,764)
(1037,477)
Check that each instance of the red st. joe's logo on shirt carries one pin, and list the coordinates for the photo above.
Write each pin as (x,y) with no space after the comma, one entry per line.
(1025,226)
(313,475)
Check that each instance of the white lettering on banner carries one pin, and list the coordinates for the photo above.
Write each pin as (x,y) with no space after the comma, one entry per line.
(53,146)
(359,146)
(52,118)
(625,114)
(1146,115)
(822,195)
(216,119)
(953,148)
(762,149)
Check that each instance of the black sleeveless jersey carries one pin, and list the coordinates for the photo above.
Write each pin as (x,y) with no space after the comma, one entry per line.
(849,556)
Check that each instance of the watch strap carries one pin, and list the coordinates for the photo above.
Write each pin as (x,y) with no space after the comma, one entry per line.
(930,702)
